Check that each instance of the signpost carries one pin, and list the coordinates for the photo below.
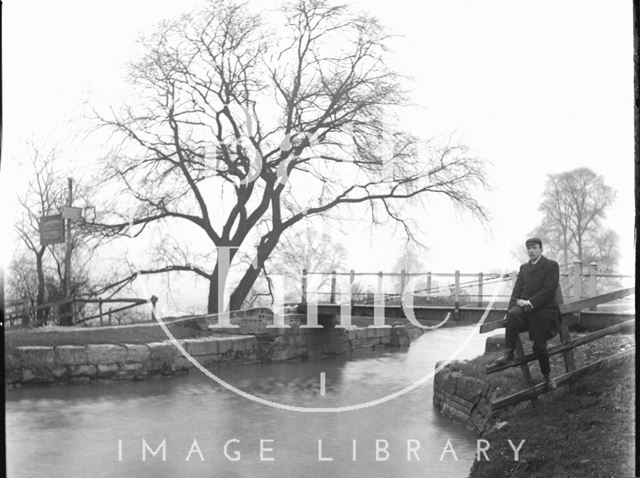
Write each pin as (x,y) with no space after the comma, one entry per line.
(51,230)
(72,213)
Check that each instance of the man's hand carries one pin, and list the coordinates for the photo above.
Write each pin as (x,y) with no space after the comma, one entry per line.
(525,304)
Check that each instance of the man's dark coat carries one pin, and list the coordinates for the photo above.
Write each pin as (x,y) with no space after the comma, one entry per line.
(539,283)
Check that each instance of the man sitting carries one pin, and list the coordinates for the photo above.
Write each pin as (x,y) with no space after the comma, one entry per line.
(533,307)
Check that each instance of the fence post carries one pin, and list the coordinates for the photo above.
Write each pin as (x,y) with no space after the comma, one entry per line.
(379,303)
(429,283)
(593,282)
(480,280)
(100,308)
(403,281)
(304,286)
(456,294)
(332,297)
(154,301)
(352,279)
(577,280)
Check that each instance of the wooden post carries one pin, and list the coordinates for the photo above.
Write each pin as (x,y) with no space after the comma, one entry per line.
(403,281)
(304,286)
(379,303)
(577,280)
(480,280)
(332,298)
(109,317)
(154,301)
(526,373)
(67,317)
(456,294)
(352,279)
(429,283)
(100,308)
(565,336)
(593,282)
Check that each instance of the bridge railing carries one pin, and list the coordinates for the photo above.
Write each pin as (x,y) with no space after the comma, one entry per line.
(450,288)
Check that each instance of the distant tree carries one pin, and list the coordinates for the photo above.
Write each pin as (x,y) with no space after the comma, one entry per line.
(37,272)
(307,248)
(241,134)
(411,259)
(574,204)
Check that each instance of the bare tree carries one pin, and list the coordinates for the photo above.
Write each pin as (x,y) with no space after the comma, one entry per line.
(306,248)
(42,277)
(574,204)
(42,197)
(242,134)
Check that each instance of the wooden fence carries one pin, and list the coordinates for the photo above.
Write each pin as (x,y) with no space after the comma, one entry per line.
(68,311)
(565,347)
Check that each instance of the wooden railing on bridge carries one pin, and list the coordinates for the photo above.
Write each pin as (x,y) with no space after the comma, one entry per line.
(565,347)
(577,281)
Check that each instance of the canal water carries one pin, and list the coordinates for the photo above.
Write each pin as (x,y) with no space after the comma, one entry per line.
(100,430)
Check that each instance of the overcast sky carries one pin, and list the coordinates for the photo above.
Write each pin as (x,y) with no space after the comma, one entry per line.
(534,88)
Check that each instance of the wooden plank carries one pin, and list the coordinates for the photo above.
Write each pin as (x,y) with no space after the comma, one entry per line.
(579,305)
(524,366)
(493,325)
(562,380)
(564,347)
(565,337)
(569,308)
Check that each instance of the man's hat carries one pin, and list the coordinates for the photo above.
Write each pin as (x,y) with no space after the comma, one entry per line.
(532,241)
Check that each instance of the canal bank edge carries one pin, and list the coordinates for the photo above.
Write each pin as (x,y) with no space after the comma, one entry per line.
(33,365)
(564,433)
(463,399)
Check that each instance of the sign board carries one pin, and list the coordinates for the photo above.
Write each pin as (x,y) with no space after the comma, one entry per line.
(51,229)
(73,213)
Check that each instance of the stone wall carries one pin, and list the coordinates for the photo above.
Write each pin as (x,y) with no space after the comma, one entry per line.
(79,364)
(301,342)
(108,362)
(464,399)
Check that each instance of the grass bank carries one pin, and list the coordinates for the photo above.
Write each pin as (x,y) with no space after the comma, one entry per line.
(587,430)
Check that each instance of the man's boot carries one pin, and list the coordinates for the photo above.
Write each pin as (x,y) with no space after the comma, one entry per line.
(551,383)
(508,357)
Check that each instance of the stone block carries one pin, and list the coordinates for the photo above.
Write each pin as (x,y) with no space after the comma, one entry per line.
(12,375)
(183,363)
(71,354)
(107,370)
(206,346)
(132,366)
(137,352)
(495,343)
(123,375)
(162,352)
(106,353)
(83,370)
(36,356)
(58,372)
(225,345)
(36,376)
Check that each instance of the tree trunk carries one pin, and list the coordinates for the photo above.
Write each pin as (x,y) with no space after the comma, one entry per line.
(213,306)
(246,283)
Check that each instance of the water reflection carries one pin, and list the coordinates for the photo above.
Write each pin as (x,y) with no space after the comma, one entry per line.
(74,431)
